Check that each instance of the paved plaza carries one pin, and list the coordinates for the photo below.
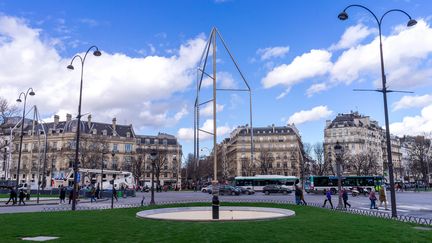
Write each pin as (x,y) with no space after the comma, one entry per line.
(417,204)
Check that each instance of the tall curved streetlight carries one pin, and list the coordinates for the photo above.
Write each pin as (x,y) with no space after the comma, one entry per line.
(30,92)
(411,22)
(97,53)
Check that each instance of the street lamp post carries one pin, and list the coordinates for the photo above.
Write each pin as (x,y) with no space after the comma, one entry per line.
(102,168)
(31,93)
(112,194)
(153,155)
(344,16)
(75,166)
(338,152)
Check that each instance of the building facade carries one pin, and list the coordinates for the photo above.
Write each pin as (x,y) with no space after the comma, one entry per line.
(277,150)
(107,146)
(363,142)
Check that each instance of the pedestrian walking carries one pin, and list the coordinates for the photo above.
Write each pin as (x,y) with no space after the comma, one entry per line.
(21,196)
(92,194)
(71,195)
(327,198)
(12,196)
(302,198)
(62,195)
(372,199)
(98,196)
(114,191)
(345,198)
(383,197)
(298,194)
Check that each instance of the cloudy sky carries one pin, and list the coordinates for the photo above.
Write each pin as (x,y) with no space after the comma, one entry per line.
(300,60)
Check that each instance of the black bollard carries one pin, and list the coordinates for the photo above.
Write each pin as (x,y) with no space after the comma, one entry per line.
(215,207)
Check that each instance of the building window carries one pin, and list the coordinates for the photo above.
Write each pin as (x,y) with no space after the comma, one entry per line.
(115,147)
(165,142)
(128,148)
(148,174)
(165,174)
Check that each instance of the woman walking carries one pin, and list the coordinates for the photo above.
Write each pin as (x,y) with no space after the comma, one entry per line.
(372,199)
(345,198)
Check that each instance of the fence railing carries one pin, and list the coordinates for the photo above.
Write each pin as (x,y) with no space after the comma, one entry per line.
(372,213)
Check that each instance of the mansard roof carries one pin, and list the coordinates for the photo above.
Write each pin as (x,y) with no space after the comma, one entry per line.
(171,140)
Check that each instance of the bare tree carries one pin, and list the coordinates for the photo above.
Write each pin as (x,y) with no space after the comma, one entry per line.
(160,163)
(246,166)
(265,160)
(364,163)
(320,166)
(6,110)
(420,158)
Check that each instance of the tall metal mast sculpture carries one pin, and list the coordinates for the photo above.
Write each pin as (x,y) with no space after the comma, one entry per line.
(211,44)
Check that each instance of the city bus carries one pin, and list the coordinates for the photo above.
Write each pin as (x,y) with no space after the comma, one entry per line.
(319,183)
(259,181)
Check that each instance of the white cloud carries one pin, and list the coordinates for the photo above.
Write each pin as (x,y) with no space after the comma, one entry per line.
(314,114)
(414,125)
(283,94)
(352,36)
(188,133)
(404,55)
(308,65)
(316,88)
(208,109)
(412,101)
(272,52)
(114,83)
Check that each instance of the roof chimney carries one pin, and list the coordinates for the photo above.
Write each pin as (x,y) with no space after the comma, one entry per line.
(114,123)
(56,119)
(89,120)
(68,117)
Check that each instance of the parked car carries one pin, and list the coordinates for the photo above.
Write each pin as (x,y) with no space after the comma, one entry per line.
(247,191)
(207,188)
(275,189)
(229,190)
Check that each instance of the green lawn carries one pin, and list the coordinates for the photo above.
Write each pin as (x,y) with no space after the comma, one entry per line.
(121,225)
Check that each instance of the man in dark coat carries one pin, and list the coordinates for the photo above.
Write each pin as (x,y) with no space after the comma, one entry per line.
(12,196)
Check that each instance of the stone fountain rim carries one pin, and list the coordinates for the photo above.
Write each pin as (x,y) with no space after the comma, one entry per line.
(147,213)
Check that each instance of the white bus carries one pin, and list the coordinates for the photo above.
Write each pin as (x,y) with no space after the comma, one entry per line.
(259,181)
(93,176)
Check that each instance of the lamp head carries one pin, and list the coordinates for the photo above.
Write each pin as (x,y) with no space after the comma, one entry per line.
(32,93)
(153,155)
(338,149)
(411,22)
(70,67)
(97,53)
(18,100)
(343,16)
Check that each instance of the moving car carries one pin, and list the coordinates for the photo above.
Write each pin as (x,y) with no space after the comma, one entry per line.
(229,190)
(247,191)
(275,189)
(207,188)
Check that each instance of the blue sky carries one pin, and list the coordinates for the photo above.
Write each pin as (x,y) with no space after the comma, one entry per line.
(301,61)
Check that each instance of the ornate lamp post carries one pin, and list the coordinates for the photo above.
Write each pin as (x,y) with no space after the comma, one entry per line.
(76,162)
(112,194)
(104,151)
(31,93)
(338,152)
(411,22)
(153,155)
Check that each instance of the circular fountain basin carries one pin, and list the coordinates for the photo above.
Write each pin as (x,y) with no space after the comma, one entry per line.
(225,213)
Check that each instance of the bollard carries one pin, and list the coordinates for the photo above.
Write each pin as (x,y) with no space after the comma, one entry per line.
(215,207)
